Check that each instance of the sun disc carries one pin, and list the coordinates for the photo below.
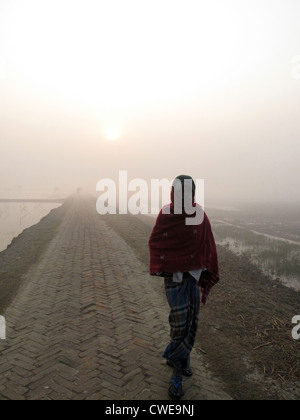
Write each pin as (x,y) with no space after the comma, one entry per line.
(112,133)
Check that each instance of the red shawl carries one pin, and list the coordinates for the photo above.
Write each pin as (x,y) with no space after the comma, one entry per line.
(177,247)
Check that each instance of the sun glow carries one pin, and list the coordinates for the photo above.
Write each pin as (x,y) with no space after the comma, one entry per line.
(112,133)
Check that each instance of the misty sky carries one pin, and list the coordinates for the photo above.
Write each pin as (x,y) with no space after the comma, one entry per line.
(207,88)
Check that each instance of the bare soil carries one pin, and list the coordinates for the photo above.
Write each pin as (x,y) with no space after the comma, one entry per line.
(245,329)
(24,251)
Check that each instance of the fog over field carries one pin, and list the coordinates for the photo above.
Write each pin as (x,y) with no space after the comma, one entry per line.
(208,88)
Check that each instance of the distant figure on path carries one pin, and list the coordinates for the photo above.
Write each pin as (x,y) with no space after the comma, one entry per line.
(186,257)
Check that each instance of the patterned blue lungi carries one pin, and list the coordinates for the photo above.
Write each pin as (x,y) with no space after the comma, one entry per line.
(184,301)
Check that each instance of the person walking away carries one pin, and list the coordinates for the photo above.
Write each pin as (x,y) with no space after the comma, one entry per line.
(183,252)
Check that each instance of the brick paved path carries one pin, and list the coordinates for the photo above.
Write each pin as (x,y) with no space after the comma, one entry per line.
(90,323)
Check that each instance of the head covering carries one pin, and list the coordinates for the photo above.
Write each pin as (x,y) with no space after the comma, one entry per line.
(177,246)
(184,185)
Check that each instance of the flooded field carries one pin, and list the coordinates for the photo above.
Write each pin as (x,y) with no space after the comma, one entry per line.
(268,236)
(15,217)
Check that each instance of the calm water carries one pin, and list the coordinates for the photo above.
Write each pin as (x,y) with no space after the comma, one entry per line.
(269,236)
(14,218)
